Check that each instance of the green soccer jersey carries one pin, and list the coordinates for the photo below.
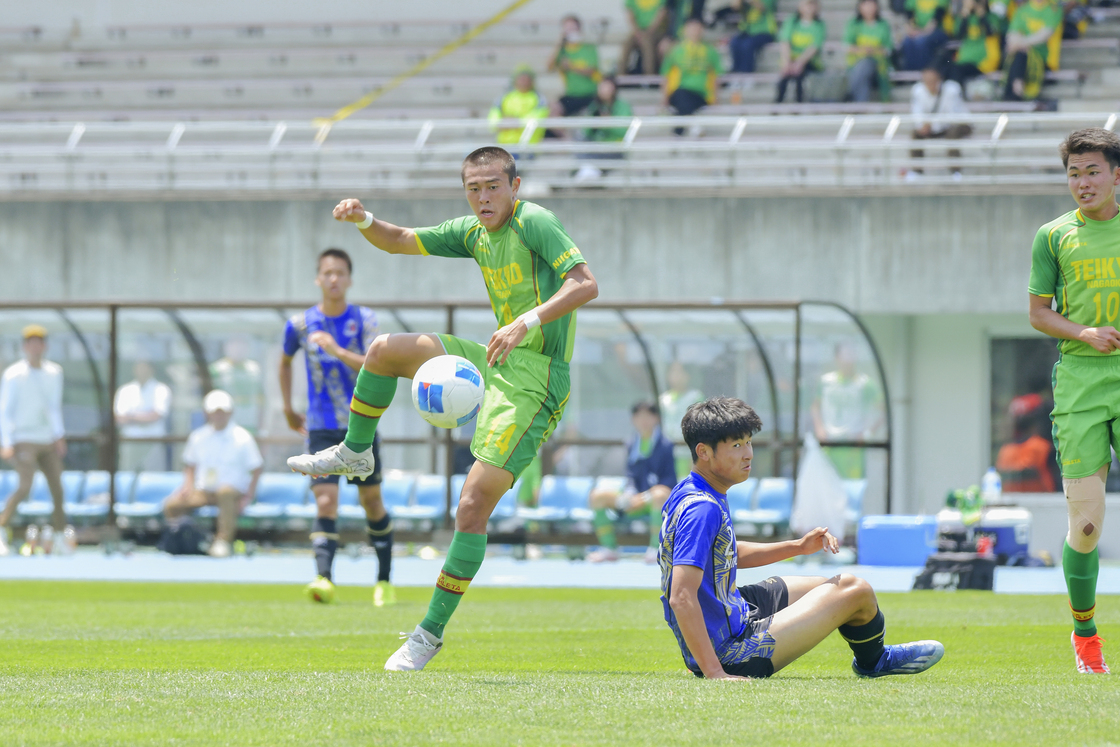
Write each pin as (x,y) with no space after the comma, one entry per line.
(645,11)
(582,76)
(1077,261)
(876,35)
(802,36)
(693,67)
(523,265)
(1031,18)
(923,11)
(756,20)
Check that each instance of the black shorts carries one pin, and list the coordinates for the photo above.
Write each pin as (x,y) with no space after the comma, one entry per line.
(573,105)
(766,598)
(319,440)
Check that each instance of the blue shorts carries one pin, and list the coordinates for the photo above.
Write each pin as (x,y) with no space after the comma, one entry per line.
(323,439)
(749,655)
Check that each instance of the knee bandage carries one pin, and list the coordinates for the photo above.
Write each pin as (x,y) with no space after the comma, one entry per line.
(1085,503)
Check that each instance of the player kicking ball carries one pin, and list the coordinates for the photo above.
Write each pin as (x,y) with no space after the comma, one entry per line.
(1075,267)
(733,632)
(536,278)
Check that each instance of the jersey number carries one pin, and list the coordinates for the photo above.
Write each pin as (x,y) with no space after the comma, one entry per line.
(1111,307)
(503,440)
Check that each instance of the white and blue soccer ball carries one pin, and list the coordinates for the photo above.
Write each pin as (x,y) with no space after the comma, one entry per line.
(447,391)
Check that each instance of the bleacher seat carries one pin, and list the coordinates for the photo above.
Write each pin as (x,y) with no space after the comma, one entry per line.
(773,501)
(507,504)
(275,490)
(149,493)
(396,490)
(38,504)
(740,498)
(94,483)
(9,480)
(428,501)
(561,498)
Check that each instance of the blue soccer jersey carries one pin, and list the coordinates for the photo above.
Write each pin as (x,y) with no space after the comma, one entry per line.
(330,382)
(697,531)
(655,468)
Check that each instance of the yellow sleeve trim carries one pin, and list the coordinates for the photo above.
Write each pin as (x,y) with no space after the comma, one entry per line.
(420,246)
(1043,295)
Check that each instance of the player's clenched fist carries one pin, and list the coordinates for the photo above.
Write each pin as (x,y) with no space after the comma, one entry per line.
(350,210)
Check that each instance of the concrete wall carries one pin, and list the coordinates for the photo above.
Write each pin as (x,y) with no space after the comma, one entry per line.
(875,255)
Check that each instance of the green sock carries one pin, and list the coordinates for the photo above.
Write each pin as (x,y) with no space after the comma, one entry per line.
(1080,569)
(654,526)
(372,395)
(464,558)
(604,529)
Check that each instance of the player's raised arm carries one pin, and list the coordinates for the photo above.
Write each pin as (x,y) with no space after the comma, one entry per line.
(385,236)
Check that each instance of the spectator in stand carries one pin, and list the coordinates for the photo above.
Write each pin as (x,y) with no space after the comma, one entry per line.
(649,20)
(757,27)
(650,476)
(1034,42)
(981,36)
(868,38)
(1027,463)
(802,38)
(935,95)
(607,104)
(141,408)
(578,64)
(927,26)
(221,466)
(32,435)
(672,405)
(690,71)
(522,103)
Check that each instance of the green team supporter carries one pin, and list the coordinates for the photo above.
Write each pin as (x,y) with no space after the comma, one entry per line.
(759,21)
(924,11)
(1030,18)
(980,40)
(801,36)
(645,11)
(523,264)
(618,108)
(582,75)
(693,67)
(862,34)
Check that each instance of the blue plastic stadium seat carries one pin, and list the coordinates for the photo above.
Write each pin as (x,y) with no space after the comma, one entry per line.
(123,485)
(8,482)
(507,505)
(457,483)
(561,498)
(774,501)
(855,490)
(396,489)
(428,502)
(739,499)
(94,483)
(38,504)
(275,491)
(149,493)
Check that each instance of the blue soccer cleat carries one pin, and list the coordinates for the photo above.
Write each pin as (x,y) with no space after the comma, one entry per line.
(904,658)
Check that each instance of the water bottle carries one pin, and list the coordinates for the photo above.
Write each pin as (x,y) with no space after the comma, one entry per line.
(991,487)
(46,539)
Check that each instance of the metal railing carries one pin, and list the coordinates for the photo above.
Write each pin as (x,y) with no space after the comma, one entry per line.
(724,152)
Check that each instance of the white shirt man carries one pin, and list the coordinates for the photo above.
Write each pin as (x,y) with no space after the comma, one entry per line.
(221,466)
(142,406)
(932,95)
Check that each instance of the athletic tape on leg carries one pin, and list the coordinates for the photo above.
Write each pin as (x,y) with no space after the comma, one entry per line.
(1085,504)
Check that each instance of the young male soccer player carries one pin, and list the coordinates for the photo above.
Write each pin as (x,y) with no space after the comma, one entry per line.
(334,336)
(753,631)
(536,279)
(1074,267)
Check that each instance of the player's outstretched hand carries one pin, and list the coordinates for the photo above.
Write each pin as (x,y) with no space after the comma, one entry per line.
(296,421)
(505,340)
(819,539)
(323,339)
(1103,339)
(350,211)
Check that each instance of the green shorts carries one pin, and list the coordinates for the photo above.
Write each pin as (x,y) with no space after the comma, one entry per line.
(1086,412)
(525,398)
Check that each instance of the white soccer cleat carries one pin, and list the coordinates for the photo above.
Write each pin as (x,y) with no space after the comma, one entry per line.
(219,549)
(417,650)
(336,460)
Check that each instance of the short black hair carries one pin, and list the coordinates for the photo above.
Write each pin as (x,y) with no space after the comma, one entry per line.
(572,17)
(878,9)
(1091,140)
(491,154)
(645,406)
(337,253)
(718,419)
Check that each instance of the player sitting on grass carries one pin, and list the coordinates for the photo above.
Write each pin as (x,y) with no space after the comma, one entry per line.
(650,476)
(753,631)
(536,279)
(334,335)
(1074,263)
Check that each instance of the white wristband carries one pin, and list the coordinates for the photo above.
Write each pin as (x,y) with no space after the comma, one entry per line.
(531,319)
(367,222)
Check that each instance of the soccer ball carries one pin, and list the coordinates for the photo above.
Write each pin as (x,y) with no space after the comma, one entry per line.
(447,391)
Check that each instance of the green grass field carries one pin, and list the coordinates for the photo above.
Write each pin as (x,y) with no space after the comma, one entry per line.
(194,664)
